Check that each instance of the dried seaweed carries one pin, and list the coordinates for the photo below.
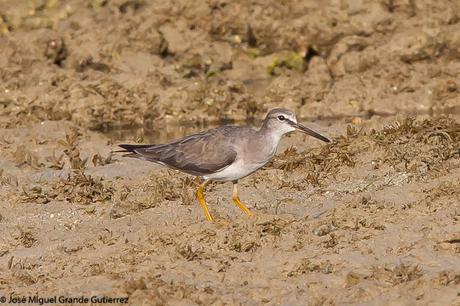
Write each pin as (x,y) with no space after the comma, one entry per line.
(22,111)
(56,162)
(82,189)
(397,146)
(447,278)
(307,266)
(98,160)
(77,188)
(419,146)
(7,179)
(322,162)
(71,150)
(170,187)
(119,106)
(221,98)
(26,237)
(446,189)
(399,274)
(23,156)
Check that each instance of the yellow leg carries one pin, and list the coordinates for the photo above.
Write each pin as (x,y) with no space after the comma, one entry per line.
(237,201)
(200,196)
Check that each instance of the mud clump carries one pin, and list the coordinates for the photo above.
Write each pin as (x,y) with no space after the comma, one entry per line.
(56,51)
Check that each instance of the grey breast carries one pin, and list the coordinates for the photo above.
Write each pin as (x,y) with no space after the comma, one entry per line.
(256,148)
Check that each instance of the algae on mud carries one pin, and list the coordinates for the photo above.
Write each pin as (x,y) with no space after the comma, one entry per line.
(372,218)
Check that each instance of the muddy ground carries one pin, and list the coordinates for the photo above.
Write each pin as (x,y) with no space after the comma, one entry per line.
(373,218)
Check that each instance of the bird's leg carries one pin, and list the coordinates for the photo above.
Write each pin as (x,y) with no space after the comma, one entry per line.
(200,196)
(237,201)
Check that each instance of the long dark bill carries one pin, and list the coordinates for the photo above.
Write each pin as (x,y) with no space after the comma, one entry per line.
(308,131)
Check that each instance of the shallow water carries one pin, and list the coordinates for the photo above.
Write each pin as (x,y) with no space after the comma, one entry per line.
(157,134)
(174,130)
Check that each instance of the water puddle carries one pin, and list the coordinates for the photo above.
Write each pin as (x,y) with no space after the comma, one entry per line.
(174,130)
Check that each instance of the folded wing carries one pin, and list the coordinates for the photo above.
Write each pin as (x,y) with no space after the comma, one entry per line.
(198,154)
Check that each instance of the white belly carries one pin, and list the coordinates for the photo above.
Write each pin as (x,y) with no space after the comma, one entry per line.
(234,172)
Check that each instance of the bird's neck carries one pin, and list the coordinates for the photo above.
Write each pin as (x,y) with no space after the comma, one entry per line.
(272,136)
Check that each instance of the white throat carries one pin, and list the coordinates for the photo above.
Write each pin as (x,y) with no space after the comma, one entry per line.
(276,135)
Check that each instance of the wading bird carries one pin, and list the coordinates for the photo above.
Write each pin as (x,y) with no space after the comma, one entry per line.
(223,154)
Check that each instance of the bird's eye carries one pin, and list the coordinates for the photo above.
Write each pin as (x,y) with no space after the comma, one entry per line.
(281,118)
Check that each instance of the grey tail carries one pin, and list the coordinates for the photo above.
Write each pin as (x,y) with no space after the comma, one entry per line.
(130,150)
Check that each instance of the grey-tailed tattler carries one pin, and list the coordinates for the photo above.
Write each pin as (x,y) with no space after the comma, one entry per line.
(223,154)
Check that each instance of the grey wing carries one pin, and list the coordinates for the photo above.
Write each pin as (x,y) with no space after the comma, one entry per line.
(197,154)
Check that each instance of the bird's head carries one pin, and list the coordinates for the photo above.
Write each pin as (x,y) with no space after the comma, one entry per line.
(283,121)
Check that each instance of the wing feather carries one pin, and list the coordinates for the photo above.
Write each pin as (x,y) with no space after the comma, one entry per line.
(198,154)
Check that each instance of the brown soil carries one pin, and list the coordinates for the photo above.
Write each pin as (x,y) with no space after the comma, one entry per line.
(373,218)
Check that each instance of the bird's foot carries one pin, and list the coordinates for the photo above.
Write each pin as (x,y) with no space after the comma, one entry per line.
(200,196)
(243,207)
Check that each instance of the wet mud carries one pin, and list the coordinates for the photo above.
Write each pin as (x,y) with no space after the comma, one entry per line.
(372,218)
